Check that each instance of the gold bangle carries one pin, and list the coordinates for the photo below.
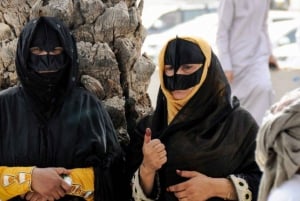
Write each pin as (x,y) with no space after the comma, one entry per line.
(30,181)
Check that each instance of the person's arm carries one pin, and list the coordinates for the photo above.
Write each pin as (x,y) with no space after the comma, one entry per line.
(146,177)
(154,156)
(272,60)
(201,187)
(80,180)
(225,18)
(225,189)
(246,185)
(241,184)
(138,192)
(17,181)
(266,31)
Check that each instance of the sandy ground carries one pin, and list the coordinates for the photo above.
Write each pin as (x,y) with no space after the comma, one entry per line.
(283,80)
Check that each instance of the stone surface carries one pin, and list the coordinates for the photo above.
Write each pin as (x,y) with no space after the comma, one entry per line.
(109,36)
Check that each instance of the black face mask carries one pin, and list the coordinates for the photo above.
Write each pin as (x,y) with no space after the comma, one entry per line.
(182,82)
(47,62)
(46,73)
(179,52)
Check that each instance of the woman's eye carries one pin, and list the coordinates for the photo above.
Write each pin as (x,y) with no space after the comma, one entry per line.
(39,51)
(35,50)
(169,70)
(56,51)
(187,67)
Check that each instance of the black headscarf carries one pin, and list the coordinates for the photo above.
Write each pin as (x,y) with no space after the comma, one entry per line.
(46,39)
(46,91)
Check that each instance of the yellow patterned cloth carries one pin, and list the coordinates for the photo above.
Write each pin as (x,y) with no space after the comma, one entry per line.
(17,181)
(83,183)
(14,181)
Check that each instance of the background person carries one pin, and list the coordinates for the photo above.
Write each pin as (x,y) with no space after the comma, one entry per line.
(244,50)
(277,151)
(198,144)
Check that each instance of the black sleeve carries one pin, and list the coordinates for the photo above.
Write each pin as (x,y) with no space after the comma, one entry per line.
(105,153)
(248,169)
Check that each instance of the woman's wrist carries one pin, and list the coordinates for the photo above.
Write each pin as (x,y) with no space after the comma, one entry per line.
(146,178)
(146,170)
(224,189)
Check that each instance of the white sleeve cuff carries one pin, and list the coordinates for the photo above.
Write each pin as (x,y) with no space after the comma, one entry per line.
(242,188)
(137,191)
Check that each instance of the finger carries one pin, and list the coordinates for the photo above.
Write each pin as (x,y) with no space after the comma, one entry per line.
(29,195)
(61,192)
(23,196)
(34,196)
(61,171)
(147,137)
(154,143)
(50,199)
(176,188)
(181,195)
(187,174)
(41,198)
(162,154)
(56,195)
(66,187)
(163,160)
(159,147)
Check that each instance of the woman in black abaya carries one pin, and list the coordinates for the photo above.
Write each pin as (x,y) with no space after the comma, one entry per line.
(57,142)
(199,143)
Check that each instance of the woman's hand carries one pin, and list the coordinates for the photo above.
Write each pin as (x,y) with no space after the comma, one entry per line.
(48,183)
(273,62)
(154,152)
(33,196)
(197,188)
(155,156)
(229,75)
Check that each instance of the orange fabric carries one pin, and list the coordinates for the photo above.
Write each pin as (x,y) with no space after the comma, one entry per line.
(14,181)
(83,183)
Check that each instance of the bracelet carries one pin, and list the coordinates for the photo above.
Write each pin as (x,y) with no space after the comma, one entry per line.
(30,181)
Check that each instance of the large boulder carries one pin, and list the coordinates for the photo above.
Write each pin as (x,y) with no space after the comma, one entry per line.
(109,36)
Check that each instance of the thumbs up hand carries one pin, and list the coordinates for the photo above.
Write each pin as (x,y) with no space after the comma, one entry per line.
(154,152)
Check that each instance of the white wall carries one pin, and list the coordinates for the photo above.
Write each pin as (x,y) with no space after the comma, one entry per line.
(295,5)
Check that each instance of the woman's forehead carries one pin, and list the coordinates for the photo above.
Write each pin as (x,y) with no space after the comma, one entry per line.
(45,37)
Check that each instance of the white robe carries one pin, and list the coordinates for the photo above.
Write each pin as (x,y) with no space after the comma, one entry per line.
(244,48)
(288,191)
